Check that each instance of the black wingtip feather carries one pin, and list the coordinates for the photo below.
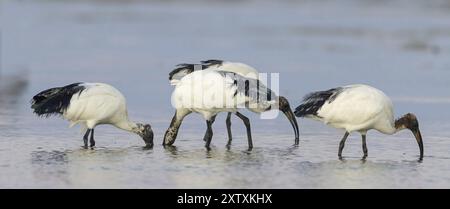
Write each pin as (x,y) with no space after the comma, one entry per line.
(55,101)
(313,102)
(189,68)
(184,69)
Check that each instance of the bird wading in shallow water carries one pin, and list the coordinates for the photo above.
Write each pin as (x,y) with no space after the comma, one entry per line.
(90,104)
(220,86)
(357,108)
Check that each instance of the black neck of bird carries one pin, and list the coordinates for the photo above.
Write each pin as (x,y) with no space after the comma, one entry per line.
(408,121)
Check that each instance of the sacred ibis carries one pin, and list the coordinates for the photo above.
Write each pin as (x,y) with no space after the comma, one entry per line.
(90,104)
(219,65)
(357,108)
(220,86)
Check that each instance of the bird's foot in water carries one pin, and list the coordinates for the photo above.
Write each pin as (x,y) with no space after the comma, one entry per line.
(228,146)
(364,158)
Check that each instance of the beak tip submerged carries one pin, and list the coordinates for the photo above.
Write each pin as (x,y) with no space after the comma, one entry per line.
(419,140)
(293,121)
(297,141)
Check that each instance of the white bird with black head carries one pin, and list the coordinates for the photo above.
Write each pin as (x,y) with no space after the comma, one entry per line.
(357,108)
(220,86)
(90,104)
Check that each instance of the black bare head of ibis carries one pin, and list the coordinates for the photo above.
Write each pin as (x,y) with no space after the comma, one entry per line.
(409,121)
(145,131)
(286,109)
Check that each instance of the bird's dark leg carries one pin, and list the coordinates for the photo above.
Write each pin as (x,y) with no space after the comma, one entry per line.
(209,132)
(364,146)
(92,141)
(230,136)
(205,138)
(85,138)
(342,144)
(249,132)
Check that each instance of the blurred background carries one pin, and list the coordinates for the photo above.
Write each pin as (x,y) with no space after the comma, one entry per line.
(399,46)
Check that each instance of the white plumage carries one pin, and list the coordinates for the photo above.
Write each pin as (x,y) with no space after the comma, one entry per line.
(90,104)
(214,65)
(221,87)
(98,104)
(357,108)
(235,67)
(209,92)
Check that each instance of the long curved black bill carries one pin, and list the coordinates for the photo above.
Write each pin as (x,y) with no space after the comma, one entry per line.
(291,117)
(418,136)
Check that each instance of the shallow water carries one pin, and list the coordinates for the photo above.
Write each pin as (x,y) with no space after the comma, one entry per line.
(400,47)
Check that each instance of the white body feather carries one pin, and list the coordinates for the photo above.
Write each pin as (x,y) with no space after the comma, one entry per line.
(209,92)
(238,68)
(98,104)
(232,67)
(359,108)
